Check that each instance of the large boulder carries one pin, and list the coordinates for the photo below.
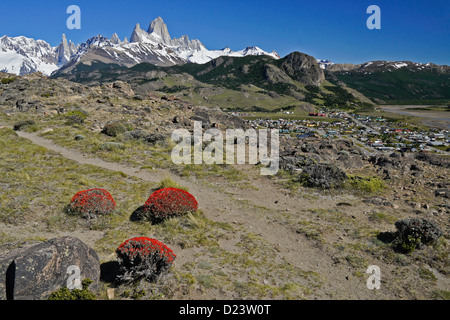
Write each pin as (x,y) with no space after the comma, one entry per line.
(437,160)
(323,175)
(313,173)
(122,87)
(34,273)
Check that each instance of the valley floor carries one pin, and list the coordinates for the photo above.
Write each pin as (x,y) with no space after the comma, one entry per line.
(431,117)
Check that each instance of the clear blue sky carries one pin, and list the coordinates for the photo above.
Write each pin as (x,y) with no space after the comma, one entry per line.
(328,29)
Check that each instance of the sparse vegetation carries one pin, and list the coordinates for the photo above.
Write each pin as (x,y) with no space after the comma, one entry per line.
(169,183)
(74,294)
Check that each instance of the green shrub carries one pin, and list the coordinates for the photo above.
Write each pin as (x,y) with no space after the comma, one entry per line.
(74,294)
(410,243)
(47,95)
(8,80)
(365,184)
(114,129)
(74,119)
(22,124)
(80,113)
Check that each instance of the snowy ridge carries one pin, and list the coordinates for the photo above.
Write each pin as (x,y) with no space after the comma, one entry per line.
(394,65)
(21,55)
(324,63)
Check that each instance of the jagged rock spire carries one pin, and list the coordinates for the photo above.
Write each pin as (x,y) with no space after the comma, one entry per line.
(159,28)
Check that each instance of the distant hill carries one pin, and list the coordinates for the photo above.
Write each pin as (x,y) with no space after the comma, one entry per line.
(256,82)
(387,82)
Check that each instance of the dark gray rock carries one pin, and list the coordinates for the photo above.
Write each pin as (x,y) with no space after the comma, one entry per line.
(379,201)
(443,192)
(154,138)
(79,137)
(437,160)
(34,273)
(207,117)
(384,161)
(178,119)
(323,175)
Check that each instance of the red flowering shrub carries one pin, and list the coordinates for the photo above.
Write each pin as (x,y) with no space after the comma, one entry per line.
(143,258)
(168,202)
(92,202)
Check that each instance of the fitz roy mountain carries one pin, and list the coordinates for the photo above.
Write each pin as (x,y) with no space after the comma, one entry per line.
(21,55)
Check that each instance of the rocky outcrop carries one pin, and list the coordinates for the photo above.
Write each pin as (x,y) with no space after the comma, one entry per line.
(121,87)
(343,152)
(303,68)
(210,118)
(433,159)
(34,273)
(312,173)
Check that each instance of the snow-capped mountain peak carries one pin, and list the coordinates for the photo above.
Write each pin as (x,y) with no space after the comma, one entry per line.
(158,29)
(255,51)
(23,55)
(186,49)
